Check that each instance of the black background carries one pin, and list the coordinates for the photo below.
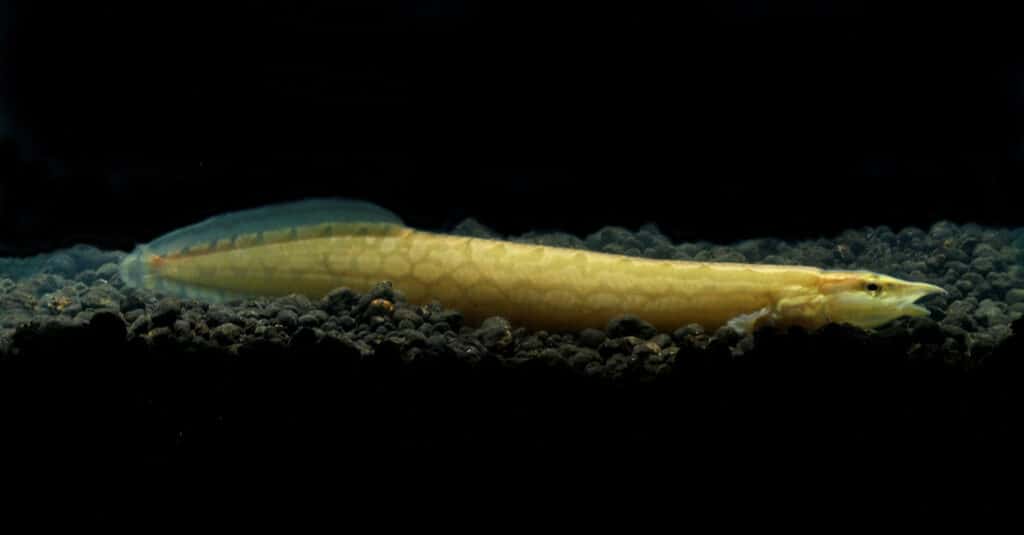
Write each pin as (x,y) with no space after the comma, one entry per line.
(716,120)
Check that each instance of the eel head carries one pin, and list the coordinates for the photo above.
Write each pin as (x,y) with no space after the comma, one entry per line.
(868,299)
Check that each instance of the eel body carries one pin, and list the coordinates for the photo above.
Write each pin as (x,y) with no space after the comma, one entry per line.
(312,247)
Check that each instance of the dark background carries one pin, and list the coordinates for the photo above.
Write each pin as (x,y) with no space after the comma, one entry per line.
(718,120)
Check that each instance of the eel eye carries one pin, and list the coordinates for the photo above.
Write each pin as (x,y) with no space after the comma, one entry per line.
(872,287)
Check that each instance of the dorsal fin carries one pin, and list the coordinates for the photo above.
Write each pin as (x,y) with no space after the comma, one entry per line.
(256,225)
(273,217)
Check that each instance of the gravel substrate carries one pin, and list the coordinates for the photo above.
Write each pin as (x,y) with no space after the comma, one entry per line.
(125,374)
(982,268)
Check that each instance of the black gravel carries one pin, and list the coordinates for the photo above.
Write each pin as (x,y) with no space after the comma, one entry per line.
(354,376)
(982,268)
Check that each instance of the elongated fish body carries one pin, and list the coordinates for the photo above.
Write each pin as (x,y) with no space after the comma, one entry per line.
(312,247)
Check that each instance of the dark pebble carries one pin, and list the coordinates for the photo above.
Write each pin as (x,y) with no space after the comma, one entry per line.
(141,325)
(629,325)
(984,250)
(592,338)
(227,334)
(161,336)
(495,333)
(414,338)
(911,266)
(960,320)
(550,355)
(219,315)
(288,318)
(613,346)
(646,349)
(294,302)
(88,276)
(182,328)
(453,318)
(926,330)
(531,343)
(982,345)
(72,309)
(952,331)
(437,343)
(942,230)
(311,319)
(935,261)
(344,346)
(1000,282)
(108,326)
(617,365)
(166,312)
(406,314)
(468,353)
(594,369)
(953,346)
(957,267)
(983,264)
(663,340)
(583,357)
(683,333)
(381,290)
(101,297)
(990,313)
(338,301)
(84,316)
(60,264)
(893,332)
(1001,331)
(727,334)
(133,315)
(1015,296)
(380,324)
(305,337)
(132,300)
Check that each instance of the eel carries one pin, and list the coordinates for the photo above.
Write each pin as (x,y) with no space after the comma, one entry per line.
(313,246)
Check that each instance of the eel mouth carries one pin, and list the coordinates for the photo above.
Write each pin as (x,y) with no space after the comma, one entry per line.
(912,292)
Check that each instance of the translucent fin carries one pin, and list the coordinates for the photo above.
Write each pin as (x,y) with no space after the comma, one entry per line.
(273,217)
(747,323)
(245,225)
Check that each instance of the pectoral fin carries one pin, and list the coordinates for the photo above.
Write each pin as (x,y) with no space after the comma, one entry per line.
(804,311)
(748,323)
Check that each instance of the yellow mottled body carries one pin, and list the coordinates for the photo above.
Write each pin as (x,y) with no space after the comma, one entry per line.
(536,286)
(357,245)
